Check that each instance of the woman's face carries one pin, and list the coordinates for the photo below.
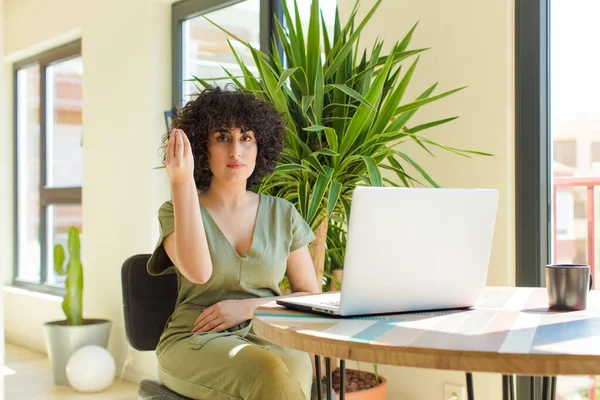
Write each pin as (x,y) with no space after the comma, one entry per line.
(232,155)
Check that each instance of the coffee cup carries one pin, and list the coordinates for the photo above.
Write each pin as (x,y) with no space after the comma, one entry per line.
(568,286)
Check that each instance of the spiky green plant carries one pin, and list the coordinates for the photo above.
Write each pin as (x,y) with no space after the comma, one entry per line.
(72,303)
(345,114)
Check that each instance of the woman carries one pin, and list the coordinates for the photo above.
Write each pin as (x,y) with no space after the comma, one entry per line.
(230,248)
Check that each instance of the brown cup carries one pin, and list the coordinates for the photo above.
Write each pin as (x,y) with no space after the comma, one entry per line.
(568,286)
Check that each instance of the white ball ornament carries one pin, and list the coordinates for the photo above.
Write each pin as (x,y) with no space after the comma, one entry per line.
(91,369)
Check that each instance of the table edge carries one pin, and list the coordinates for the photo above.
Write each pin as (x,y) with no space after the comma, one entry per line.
(542,364)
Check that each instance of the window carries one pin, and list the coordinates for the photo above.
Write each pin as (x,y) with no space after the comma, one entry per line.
(201,49)
(595,152)
(48,161)
(565,152)
(206,50)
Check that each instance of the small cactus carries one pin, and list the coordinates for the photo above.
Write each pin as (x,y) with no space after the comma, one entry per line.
(72,303)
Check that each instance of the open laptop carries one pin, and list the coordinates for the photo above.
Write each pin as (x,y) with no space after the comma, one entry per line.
(411,249)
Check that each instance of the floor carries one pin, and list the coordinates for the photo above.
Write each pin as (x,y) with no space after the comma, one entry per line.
(28,376)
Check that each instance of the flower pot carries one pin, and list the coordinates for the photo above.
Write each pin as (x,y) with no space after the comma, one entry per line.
(62,340)
(355,380)
(375,393)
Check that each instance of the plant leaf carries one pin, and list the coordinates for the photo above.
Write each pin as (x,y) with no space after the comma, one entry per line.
(318,194)
(325,152)
(334,194)
(347,47)
(59,259)
(306,103)
(314,128)
(364,113)
(227,32)
(332,139)
(290,167)
(428,125)
(399,170)
(303,199)
(286,74)
(422,102)
(374,173)
(299,43)
(352,93)
(390,106)
(314,162)
(404,44)
(313,45)
(418,168)
(399,122)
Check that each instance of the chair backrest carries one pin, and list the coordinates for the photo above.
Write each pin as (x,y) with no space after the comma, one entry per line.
(148,302)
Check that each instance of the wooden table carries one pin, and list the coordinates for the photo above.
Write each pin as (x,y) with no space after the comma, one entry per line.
(510,332)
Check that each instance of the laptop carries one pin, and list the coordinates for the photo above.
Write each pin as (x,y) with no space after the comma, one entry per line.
(411,249)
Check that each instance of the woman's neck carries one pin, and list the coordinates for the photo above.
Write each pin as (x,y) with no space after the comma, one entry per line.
(226,197)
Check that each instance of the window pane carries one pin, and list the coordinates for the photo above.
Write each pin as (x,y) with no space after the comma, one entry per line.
(565,152)
(595,152)
(28,172)
(575,130)
(64,137)
(60,219)
(205,46)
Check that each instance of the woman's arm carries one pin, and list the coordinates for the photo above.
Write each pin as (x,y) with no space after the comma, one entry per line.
(228,313)
(187,246)
(301,271)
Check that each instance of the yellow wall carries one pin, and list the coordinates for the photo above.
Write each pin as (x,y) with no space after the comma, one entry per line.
(126,53)
(127,72)
(472,44)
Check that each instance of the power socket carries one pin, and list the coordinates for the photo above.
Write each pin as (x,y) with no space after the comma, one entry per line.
(453,391)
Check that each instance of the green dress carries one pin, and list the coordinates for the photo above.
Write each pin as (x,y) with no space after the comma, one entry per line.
(234,364)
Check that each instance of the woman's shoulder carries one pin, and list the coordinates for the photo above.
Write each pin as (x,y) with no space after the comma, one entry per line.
(278,203)
(166,207)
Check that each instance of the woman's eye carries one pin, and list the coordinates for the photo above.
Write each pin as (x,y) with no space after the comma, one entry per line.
(246,138)
(222,138)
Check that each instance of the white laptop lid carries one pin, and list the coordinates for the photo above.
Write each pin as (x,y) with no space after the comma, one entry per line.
(414,249)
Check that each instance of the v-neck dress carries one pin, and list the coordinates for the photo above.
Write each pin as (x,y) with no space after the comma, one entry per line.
(200,365)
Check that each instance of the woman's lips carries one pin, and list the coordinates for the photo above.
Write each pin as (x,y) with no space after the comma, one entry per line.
(235,165)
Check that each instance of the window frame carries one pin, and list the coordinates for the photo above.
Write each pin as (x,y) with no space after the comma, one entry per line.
(532,140)
(49,196)
(187,9)
(533,144)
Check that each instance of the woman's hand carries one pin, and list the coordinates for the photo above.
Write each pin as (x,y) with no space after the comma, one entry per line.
(223,315)
(179,160)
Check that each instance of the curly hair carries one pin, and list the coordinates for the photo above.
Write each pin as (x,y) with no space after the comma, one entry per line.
(216,108)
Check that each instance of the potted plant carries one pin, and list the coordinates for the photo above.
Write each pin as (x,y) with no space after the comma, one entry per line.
(65,336)
(360,384)
(346,120)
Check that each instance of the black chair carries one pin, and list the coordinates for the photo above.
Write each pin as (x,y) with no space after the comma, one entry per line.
(148,302)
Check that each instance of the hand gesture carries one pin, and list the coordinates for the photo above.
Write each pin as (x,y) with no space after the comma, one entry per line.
(222,315)
(179,160)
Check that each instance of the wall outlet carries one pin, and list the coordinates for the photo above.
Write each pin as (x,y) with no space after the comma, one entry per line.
(453,391)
